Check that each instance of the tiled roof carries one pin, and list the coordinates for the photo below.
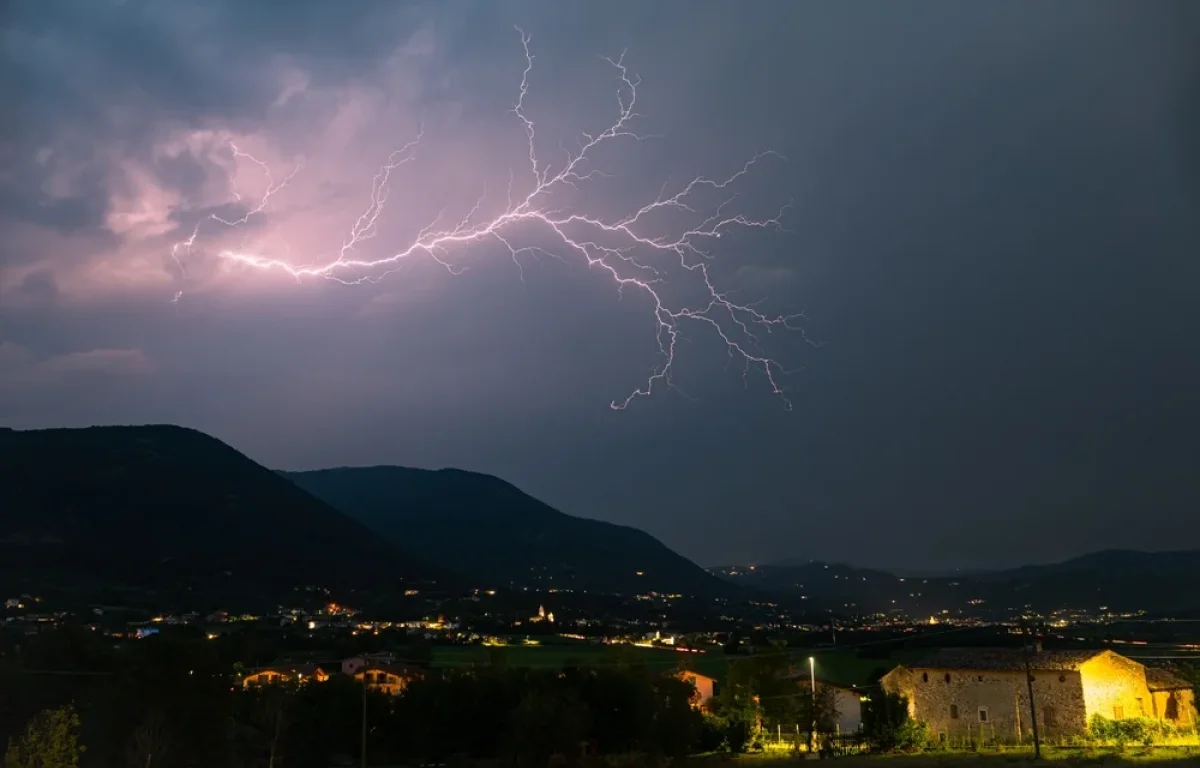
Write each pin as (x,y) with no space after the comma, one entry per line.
(803,677)
(1003,659)
(303,670)
(1159,679)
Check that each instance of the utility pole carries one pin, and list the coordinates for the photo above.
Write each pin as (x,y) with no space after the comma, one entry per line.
(1029,650)
(364,716)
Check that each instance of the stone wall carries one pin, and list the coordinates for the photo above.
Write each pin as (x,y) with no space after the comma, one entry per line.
(984,705)
(1184,709)
(1061,704)
(991,705)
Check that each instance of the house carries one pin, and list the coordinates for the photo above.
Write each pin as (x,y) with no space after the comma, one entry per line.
(391,679)
(982,693)
(353,665)
(302,673)
(847,702)
(705,686)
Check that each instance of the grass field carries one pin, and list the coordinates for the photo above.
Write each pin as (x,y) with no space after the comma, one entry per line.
(836,666)
(1183,757)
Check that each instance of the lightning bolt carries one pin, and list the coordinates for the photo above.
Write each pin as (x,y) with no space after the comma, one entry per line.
(738,325)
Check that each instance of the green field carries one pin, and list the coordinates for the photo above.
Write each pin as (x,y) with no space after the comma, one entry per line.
(1176,757)
(836,666)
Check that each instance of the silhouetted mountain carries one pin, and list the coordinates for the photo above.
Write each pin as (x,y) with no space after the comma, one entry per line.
(163,506)
(480,525)
(1119,580)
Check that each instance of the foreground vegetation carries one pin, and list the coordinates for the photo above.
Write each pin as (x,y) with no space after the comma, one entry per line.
(172,700)
(71,699)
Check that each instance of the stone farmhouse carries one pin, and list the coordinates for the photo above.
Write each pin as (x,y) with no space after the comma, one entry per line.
(982,694)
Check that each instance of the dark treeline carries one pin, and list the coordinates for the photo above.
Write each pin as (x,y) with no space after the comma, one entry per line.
(175,700)
(171,701)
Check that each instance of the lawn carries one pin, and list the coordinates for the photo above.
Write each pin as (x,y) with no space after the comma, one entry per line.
(836,666)
(1183,757)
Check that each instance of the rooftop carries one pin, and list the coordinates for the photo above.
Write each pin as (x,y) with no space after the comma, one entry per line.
(1159,679)
(399,670)
(1004,659)
(301,670)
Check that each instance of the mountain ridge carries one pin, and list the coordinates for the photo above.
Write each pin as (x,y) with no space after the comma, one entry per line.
(158,504)
(1116,579)
(521,541)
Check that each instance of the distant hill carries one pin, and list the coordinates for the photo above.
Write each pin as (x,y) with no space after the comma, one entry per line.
(482,526)
(163,506)
(1121,580)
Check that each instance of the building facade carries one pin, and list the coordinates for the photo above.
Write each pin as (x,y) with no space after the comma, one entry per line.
(355,664)
(848,705)
(391,679)
(300,674)
(983,695)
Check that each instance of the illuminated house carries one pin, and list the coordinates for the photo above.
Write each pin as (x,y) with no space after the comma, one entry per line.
(391,679)
(705,685)
(982,694)
(300,674)
(353,665)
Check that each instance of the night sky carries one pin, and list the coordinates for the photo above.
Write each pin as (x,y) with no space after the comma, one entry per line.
(993,239)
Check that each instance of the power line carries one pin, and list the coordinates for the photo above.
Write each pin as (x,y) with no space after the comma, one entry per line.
(64,672)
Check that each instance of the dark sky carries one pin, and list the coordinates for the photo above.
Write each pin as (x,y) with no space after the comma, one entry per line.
(993,235)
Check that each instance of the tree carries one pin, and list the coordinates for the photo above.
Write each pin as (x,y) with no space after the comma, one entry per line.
(887,724)
(148,746)
(548,722)
(50,740)
(817,714)
(738,706)
(273,718)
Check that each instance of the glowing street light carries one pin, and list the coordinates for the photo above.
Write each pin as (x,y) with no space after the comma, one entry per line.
(812,677)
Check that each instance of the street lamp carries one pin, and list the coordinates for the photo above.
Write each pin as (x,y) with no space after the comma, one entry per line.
(812,681)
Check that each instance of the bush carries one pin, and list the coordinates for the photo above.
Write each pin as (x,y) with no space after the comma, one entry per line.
(1133,730)
(712,734)
(737,736)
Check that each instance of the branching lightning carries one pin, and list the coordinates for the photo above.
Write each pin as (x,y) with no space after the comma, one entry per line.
(577,233)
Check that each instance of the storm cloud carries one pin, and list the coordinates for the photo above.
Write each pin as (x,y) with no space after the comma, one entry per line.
(993,229)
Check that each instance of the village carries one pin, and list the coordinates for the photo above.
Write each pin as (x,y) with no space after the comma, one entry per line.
(961,696)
